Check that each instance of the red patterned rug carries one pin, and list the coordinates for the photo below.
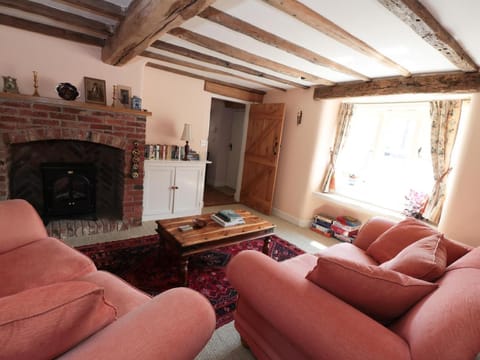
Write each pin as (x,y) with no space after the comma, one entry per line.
(140,262)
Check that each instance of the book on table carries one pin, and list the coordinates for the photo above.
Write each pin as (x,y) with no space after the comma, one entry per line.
(228,218)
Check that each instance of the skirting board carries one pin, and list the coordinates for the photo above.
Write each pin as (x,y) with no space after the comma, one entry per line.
(291,219)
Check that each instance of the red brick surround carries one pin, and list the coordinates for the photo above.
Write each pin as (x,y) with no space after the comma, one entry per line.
(24,119)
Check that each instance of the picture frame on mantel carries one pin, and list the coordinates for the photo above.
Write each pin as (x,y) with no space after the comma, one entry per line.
(95,92)
(123,96)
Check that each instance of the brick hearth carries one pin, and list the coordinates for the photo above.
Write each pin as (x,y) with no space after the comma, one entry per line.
(25,119)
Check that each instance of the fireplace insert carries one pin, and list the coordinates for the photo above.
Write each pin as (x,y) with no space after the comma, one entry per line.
(69,190)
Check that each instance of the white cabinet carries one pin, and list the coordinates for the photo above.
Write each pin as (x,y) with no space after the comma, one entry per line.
(172,189)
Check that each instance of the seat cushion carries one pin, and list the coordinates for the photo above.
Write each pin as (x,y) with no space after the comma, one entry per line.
(379,293)
(350,252)
(44,322)
(425,259)
(42,262)
(117,292)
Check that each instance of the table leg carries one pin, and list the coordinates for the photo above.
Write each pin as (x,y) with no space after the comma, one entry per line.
(184,270)
(266,244)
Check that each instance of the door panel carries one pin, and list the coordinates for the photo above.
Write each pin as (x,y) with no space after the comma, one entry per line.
(264,136)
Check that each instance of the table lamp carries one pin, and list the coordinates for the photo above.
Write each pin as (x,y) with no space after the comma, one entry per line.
(187,136)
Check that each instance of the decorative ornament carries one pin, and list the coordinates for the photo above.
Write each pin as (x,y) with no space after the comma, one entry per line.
(67,91)
(135,161)
(10,85)
(35,83)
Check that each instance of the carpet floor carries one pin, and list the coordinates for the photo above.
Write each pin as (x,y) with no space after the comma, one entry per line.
(142,263)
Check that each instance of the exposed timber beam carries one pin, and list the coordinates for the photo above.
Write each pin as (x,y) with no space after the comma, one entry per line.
(243,55)
(99,7)
(322,24)
(192,65)
(420,20)
(161,45)
(50,30)
(225,90)
(58,15)
(246,93)
(258,34)
(432,83)
(144,22)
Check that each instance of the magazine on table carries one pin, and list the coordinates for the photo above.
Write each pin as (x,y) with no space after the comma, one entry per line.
(228,218)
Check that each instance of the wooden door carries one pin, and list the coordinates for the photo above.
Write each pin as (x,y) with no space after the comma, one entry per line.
(264,136)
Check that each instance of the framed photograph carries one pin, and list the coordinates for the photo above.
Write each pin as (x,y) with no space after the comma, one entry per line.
(95,91)
(123,96)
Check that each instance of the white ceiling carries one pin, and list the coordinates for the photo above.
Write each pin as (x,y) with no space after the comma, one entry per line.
(367,20)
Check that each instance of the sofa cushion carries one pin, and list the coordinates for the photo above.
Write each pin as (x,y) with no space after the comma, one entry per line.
(42,262)
(349,252)
(425,259)
(470,260)
(44,322)
(371,230)
(399,236)
(380,293)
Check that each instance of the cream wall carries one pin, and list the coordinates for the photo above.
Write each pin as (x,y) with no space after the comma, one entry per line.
(58,60)
(175,100)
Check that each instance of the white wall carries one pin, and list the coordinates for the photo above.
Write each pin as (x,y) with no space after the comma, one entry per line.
(57,61)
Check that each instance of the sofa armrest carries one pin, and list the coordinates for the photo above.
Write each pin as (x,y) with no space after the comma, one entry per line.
(308,316)
(174,325)
(20,224)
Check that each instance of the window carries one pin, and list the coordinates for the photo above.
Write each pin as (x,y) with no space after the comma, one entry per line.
(386,154)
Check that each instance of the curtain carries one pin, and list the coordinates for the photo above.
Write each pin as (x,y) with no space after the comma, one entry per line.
(445,118)
(343,120)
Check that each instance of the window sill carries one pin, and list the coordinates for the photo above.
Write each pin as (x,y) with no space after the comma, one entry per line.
(359,205)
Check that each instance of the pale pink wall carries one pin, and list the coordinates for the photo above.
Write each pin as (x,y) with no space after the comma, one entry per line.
(304,151)
(175,100)
(58,60)
(461,212)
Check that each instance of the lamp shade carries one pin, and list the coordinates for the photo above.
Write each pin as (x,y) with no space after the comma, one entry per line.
(187,132)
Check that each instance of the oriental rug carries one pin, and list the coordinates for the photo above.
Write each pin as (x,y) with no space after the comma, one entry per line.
(141,262)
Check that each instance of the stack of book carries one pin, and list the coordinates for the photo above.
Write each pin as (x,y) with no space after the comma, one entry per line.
(322,225)
(228,218)
(345,228)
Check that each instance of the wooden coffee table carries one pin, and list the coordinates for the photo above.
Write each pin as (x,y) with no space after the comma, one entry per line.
(212,236)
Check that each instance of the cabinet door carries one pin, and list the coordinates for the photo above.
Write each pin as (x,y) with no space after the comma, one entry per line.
(158,192)
(189,192)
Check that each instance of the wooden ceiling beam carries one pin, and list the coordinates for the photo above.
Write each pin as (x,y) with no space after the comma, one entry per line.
(161,45)
(243,55)
(144,22)
(270,39)
(50,30)
(192,65)
(99,7)
(245,93)
(58,15)
(233,92)
(420,20)
(417,84)
(322,24)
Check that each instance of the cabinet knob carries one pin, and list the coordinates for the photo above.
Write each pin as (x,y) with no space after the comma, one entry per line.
(174,187)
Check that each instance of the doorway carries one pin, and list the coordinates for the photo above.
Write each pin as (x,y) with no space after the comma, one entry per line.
(225,143)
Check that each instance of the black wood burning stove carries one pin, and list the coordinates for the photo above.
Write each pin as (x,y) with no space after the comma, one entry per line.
(69,190)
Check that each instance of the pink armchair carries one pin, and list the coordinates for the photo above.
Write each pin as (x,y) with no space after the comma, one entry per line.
(54,302)
(283,315)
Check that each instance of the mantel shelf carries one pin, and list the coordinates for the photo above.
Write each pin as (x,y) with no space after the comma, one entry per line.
(77,104)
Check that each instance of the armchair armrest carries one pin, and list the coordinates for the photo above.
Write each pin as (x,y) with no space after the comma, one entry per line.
(307,315)
(174,325)
(20,224)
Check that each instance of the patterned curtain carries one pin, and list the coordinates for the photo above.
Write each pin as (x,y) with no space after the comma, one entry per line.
(445,118)
(343,119)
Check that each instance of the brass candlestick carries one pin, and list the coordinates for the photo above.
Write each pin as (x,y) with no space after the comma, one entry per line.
(114,95)
(35,83)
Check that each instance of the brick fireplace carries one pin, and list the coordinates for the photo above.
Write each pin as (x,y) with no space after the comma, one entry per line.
(35,130)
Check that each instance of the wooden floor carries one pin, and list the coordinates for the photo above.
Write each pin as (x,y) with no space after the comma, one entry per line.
(213,196)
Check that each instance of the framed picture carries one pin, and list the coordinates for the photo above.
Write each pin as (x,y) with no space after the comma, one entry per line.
(123,96)
(95,91)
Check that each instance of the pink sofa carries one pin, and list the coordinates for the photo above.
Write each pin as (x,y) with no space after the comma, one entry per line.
(54,302)
(286,312)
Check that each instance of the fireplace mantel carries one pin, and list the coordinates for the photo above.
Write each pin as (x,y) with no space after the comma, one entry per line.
(75,104)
